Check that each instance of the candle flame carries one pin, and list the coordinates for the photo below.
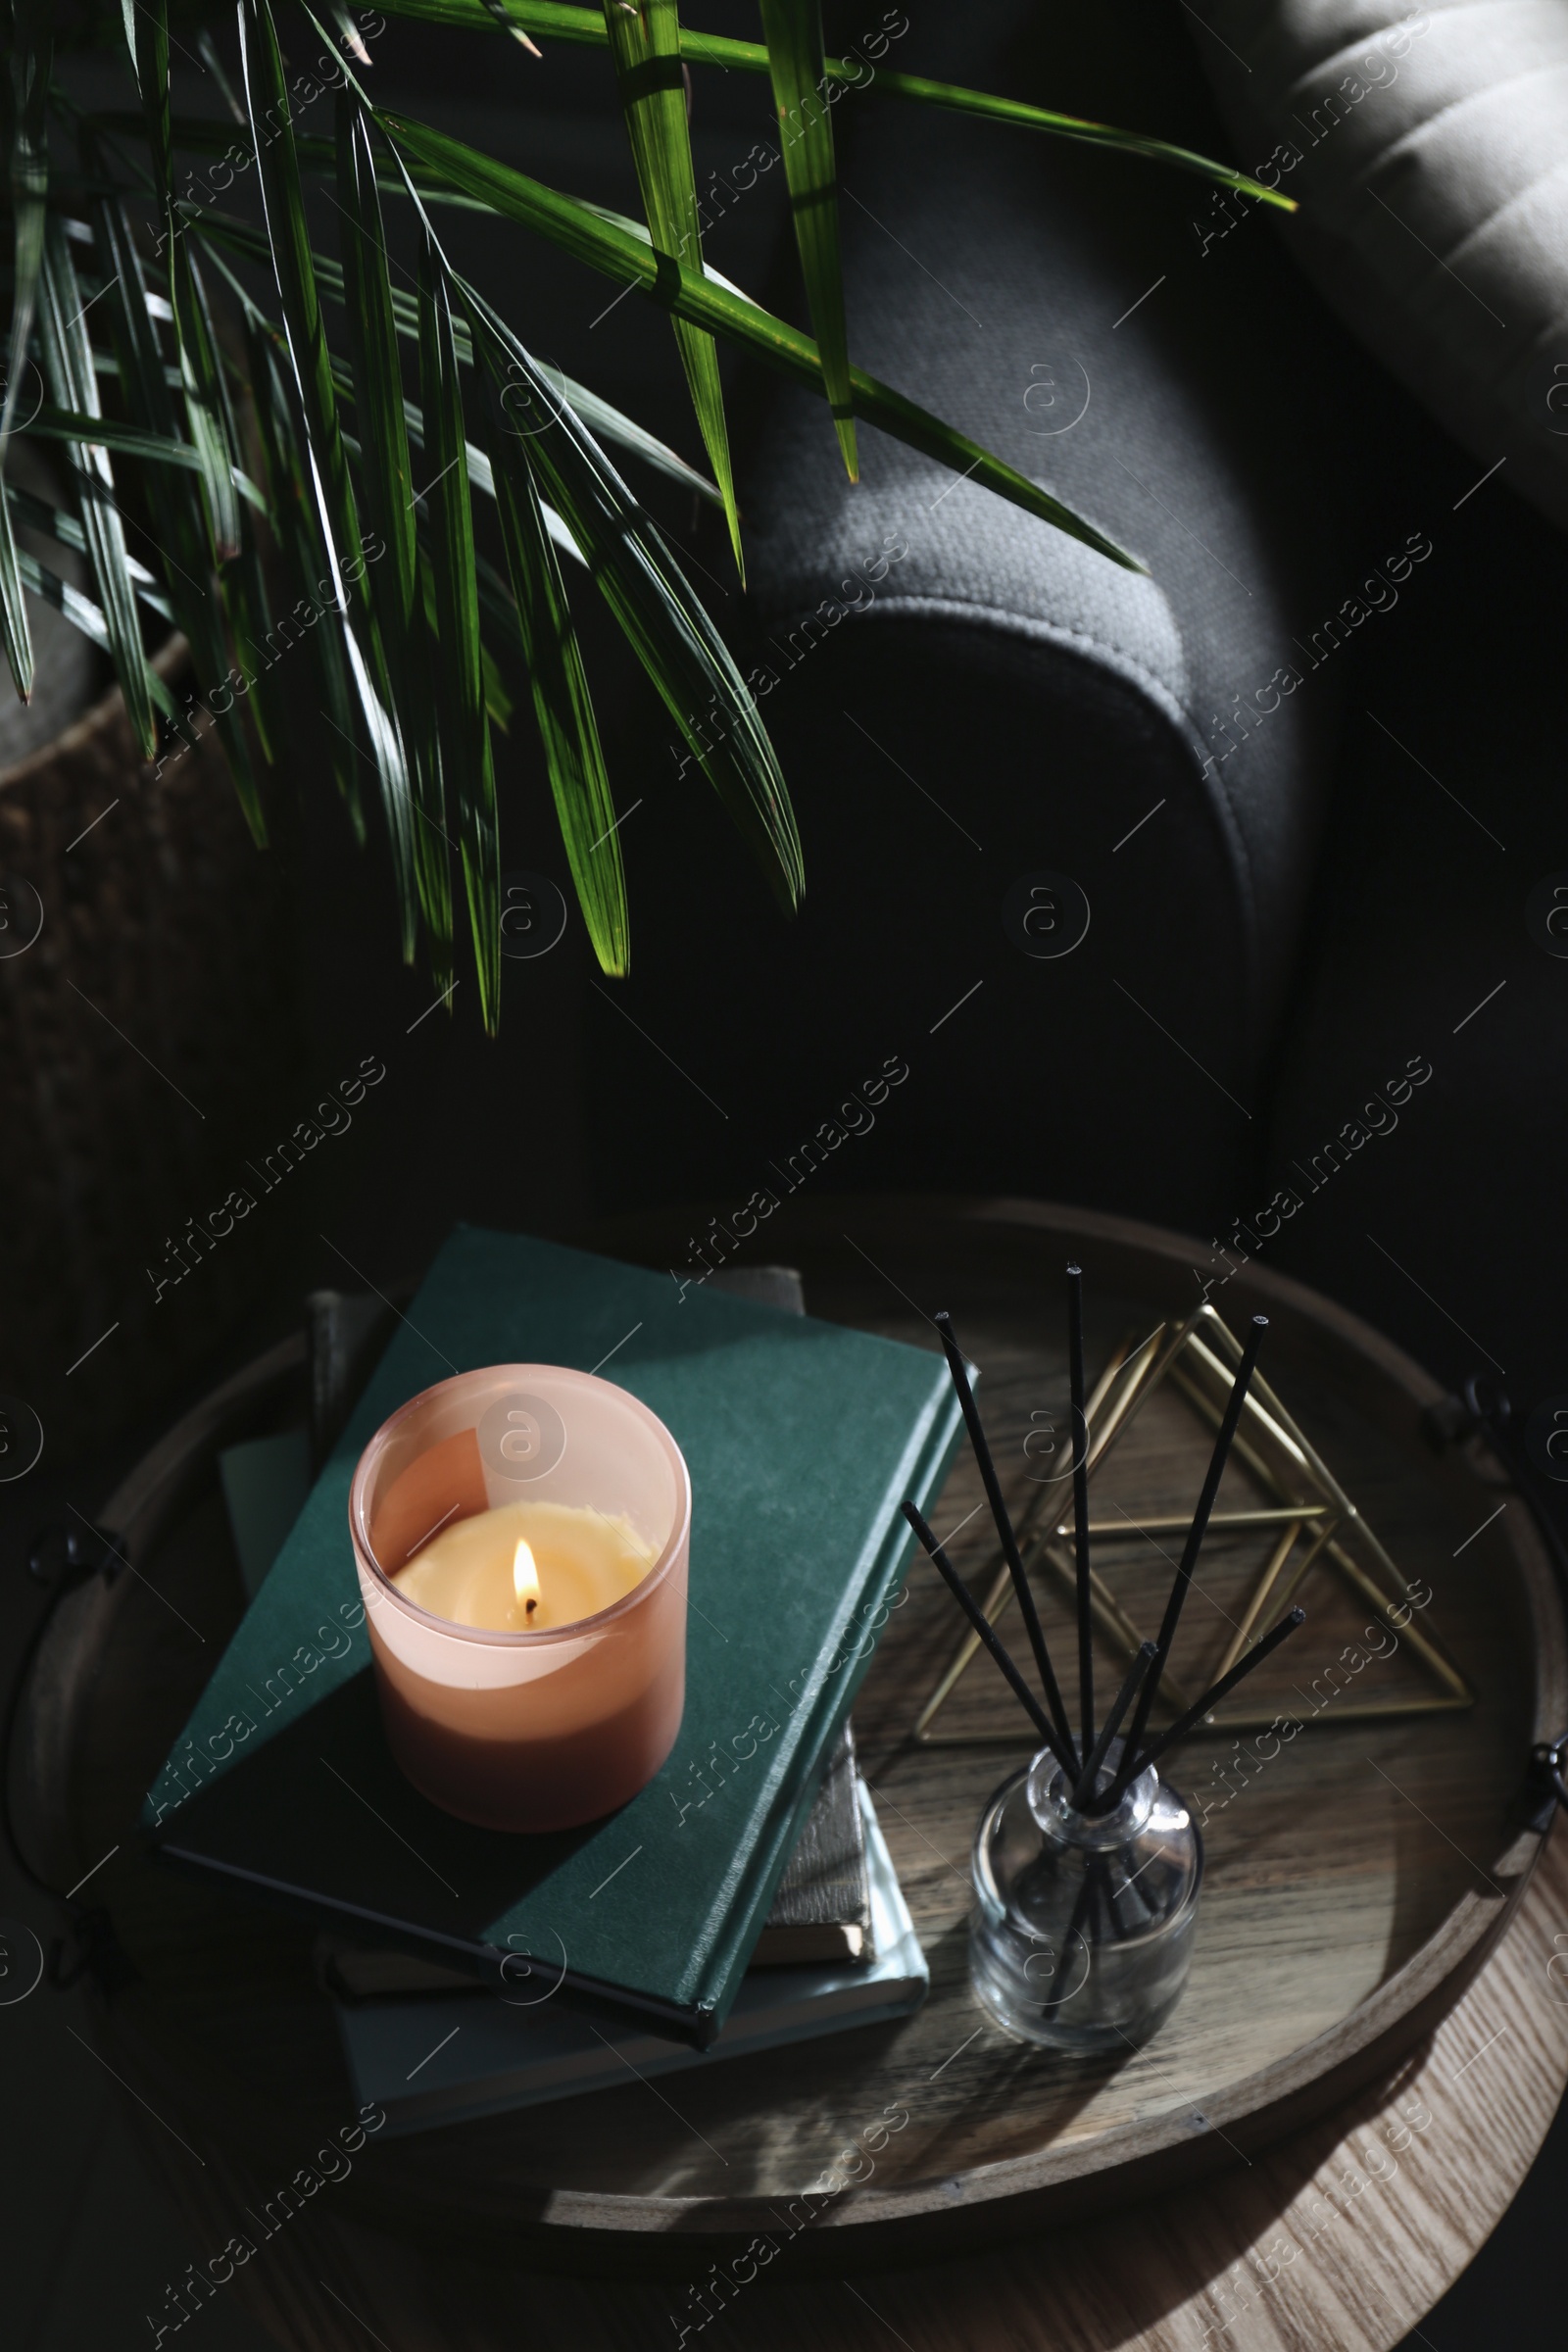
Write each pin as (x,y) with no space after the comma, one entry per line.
(525,1578)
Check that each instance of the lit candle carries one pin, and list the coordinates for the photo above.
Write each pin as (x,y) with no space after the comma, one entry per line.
(522,1538)
(525,1578)
(525,1566)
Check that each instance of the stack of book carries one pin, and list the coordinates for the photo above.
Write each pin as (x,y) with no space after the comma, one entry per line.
(839,1949)
(744,1898)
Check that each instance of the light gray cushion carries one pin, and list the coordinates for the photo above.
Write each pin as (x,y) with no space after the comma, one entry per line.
(1431,161)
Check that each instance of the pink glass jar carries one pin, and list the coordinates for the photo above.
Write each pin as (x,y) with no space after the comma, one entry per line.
(525,1731)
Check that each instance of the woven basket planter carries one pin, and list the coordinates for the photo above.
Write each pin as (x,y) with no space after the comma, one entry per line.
(146,1033)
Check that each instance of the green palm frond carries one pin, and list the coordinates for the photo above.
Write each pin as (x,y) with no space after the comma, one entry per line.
(644,43)
(26,93)
(464,730)
(662,617)
(68,373)
(177,524)
(221,390)
(583,27)
(84,614)
(793,38)
(616,248)
(602,417)
(298,525)
(207,418)
(366,292)
(26,90)
(331,493)
(14,609)
(562,705)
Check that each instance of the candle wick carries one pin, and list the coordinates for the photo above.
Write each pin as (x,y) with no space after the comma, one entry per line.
(525,1578)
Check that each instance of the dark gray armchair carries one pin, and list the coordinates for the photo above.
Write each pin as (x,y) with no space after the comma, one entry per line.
(965,698)
(1277,767)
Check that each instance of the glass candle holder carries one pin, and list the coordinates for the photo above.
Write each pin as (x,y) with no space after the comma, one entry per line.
(1082,1929)
(526,1730)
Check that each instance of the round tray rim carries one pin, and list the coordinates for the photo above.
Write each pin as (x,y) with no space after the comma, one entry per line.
(869,2225)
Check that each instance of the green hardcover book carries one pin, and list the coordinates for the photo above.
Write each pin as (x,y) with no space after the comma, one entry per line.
(801,1438)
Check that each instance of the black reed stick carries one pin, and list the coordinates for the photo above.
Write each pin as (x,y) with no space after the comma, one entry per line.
(1190,1551)
(993,1641)
(1226,1684)
(1079,1924)
(1008,1541)
(1080,1505)
(1108,1729)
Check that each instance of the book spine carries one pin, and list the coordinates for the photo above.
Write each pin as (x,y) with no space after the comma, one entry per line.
(719,1963)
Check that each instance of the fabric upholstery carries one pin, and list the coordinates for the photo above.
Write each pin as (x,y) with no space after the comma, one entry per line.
(1428,146)
(1445,1229)
(997,700)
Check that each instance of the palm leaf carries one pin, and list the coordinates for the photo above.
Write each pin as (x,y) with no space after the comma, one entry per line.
(84,614)
(96,431)
(207,136)
(143,376)
(480,475)
(562,704)
(498,701)
(298,525)
(177,527)
(466,733)
(242,593)
(266,100)
(348,33)
(499,16)
(61,525)
(207,417)
(206,48)
(377,389)
(27,100)
(793,32)
(612,247)
(13,610)
(147,39)
(606,422)
(386,479)
(211,429)
(26,86)
(663,622)
(585,27)
(69,373)
(651,600)
(1023,117)
(644,43)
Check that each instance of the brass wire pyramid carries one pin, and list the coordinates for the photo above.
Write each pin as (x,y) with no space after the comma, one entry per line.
(1319,1529)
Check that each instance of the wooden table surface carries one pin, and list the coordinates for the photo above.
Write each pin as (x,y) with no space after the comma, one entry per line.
(1337,2240)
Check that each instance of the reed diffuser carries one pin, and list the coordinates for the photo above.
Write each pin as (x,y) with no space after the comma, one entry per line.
(1087,1863)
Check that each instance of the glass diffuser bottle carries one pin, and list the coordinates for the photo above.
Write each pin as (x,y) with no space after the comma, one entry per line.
(1082,1928)
(1087,1867)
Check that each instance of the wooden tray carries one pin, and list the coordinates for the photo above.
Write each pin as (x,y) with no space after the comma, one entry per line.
(1355,1878)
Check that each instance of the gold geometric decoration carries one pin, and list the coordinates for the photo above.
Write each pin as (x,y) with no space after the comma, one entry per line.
(1319,1530)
